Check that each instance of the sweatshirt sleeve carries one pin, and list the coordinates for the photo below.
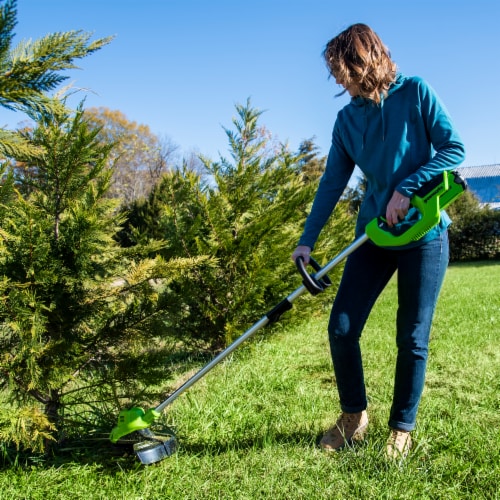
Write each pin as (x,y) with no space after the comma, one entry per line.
(339,168)
(446,142)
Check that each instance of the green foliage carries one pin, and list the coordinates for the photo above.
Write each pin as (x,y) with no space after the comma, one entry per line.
(475,232)
(354,195)
(27,425)
(32,68)
(310,165)
(77,313)
(248,218)
(6,186)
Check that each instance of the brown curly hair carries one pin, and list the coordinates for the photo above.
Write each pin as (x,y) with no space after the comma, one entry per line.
(358,57)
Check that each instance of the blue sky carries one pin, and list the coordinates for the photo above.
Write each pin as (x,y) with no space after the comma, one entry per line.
(180,66)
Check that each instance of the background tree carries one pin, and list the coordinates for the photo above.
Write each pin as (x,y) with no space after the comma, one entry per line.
(139,157)
(310,164)
(355,193)
(248,218)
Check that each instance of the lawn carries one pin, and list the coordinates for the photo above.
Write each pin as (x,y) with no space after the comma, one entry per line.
(249,429)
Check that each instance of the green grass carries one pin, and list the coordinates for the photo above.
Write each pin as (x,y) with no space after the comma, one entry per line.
(249,429)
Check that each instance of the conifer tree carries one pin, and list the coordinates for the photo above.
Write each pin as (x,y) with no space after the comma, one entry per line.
(77,312)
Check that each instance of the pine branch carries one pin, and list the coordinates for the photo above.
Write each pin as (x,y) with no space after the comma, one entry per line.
(13,145)
(34,63)
(8,21)
(33,68)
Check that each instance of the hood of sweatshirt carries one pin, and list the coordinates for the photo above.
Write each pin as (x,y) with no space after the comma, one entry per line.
(365,103)
(395,85)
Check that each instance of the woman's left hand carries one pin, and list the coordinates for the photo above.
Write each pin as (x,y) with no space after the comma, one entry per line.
(397,208)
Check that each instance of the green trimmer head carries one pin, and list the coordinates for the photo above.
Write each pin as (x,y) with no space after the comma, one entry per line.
(156,445)
(132,420)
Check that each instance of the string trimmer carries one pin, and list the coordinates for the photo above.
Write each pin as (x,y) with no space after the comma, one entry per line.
(428,202)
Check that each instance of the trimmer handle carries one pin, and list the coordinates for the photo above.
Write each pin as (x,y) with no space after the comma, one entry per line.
(429,200)
(313,284)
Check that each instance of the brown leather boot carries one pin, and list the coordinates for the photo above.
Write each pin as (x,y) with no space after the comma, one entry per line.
(348,428)
(398,444)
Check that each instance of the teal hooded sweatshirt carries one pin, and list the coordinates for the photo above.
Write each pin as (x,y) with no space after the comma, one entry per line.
(399,144)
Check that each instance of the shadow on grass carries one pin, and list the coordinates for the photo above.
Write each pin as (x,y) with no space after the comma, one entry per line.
(106,455)
(220,447)
(110,457)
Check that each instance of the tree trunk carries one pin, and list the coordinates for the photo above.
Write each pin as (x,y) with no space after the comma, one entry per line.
(52,408)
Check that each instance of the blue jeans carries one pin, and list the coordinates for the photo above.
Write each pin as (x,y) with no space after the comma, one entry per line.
(420,274)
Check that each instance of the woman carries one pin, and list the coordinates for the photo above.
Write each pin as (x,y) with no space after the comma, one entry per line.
(400,135)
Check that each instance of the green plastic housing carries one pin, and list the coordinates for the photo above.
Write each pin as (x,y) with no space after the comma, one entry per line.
(134,419)
(429,200)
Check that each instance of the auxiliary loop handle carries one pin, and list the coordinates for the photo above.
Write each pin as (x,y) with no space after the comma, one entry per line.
(313,285)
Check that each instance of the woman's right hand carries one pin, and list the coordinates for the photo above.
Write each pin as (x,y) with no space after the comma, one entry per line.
(302,251)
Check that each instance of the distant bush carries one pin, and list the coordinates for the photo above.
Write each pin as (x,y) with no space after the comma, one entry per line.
(475,232)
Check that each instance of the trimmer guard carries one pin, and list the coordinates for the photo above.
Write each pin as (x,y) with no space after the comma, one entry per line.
(132,420)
